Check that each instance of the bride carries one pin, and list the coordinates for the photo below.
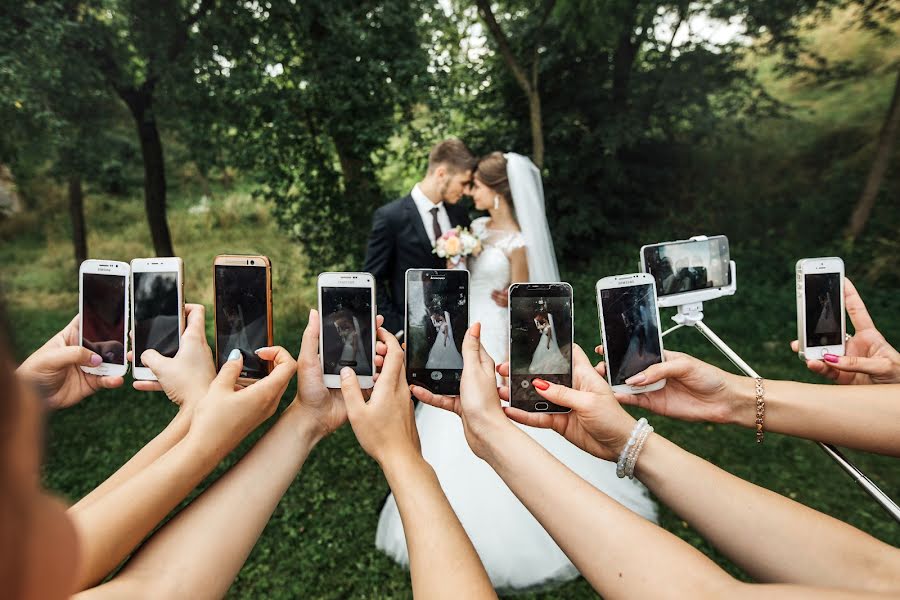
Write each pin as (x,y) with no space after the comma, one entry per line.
(443,354)
(514,548)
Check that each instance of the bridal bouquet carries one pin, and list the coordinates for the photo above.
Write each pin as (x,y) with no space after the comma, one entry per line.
(455,245)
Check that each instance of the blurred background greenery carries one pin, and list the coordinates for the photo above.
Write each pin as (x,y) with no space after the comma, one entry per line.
(133,128)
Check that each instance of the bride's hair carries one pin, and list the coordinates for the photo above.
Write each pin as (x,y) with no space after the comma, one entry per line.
(491,170)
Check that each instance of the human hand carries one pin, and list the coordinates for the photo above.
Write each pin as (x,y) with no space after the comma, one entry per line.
(868,358)
(479,402)
(500,298)
(597,423)
(184,378)
(226,413)
(385,426)
(694,390)
(55,368)
(322,406)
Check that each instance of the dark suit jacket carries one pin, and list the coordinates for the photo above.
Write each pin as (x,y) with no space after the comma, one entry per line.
(398,242)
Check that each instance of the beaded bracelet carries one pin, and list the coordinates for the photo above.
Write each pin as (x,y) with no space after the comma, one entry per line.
(760,409)
(623,456)
(633,457)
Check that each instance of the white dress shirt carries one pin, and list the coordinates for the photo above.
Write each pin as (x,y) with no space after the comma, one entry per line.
(425,205)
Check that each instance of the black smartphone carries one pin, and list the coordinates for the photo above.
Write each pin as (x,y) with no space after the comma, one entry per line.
(243,296)
(540,342)
(437,317)
(688,266)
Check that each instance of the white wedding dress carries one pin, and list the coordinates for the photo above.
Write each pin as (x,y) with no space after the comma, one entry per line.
(515,549)
(443,354)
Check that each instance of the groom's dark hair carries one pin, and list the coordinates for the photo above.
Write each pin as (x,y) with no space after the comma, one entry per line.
(453,154)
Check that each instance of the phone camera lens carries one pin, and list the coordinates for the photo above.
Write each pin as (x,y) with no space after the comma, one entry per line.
(252,262)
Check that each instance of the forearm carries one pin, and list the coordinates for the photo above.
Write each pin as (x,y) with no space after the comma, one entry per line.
(110,528)
(183,557)
(771,537)
(611,546)
(442,561)
(162,443)
(856,416)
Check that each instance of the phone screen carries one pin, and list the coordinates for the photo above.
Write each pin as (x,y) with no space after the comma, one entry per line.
(689,266)
(103,316)
(631,327)
(347,329)
(540,342)
(437,316)
(156,318)
(823,309)
(242,315)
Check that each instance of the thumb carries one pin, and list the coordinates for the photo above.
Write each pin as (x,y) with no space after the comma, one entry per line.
(350,390)
(471,347)
(230,371)
(73,356)
(153,360)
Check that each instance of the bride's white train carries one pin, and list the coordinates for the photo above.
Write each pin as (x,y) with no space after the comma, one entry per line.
(515,549)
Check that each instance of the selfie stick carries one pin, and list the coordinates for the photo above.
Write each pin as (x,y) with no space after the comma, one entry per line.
(690,314)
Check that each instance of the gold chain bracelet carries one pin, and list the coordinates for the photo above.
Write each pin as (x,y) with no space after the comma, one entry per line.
(760,409)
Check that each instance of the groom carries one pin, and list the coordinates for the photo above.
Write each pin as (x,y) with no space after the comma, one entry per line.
(404,231)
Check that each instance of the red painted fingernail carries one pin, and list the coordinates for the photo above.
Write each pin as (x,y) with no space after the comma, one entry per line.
(832,358)
(540,384)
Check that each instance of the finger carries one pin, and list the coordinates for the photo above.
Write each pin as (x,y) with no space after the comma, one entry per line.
(282,372)
(381,348)
(309,344)
(598,349)
(600,367)
(393,360)
(147,386)
(436,400)
(856,308)
(350,390)
(229,373)
(109,382)
(795,346)
(73,356)
(69,333)
(379,361)
(858,364)
(673,369)
(154,361)
(540,420)
(379,321)
(129,356)
(560,394)
(476,351)
(503,369)
(196,321)
(503,392)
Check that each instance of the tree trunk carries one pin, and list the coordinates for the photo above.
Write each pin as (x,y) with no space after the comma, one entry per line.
(886,138)
(154,171)
(623,60)
(537,128)
(76,213)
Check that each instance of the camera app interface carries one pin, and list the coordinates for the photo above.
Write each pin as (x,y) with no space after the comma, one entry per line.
(541,336)
(103,316)
(823,309)
(347,329)
(155,314)
(632,331)
(689,266)
(242,319)
(437,319)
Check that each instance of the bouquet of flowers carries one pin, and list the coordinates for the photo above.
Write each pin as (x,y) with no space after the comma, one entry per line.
(455,245)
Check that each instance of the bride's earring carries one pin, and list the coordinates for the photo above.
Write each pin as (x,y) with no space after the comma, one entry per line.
(496,202)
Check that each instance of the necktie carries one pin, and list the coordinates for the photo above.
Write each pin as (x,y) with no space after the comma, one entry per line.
(435,226)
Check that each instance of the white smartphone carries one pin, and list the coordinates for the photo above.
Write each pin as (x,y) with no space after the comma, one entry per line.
(688,265)
(347,339)
(629,322)
(821,323)
(157,309)
(103,308)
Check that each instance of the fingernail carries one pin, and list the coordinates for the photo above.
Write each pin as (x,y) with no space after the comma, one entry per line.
(636,379)
(346,373)
(832,358)
(234,354)
(310,314)
(258,350)
(96,361)
(540,384)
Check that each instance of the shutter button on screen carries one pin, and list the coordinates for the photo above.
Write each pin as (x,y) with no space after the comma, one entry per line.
(437,375)
(541,406)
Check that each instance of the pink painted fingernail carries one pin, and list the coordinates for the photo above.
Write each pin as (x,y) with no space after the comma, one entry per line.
(636,379)
(96,361)
(540,384)
(832,358)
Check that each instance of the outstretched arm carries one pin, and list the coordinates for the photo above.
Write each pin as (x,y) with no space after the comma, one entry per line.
(442,560)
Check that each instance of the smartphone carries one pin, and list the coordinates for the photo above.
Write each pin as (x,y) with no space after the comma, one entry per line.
(347,311)
(541,329)
(821,323)
(629,322)
(688,266)
(103,306)
(437,317)
(157,309)
(243,311)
